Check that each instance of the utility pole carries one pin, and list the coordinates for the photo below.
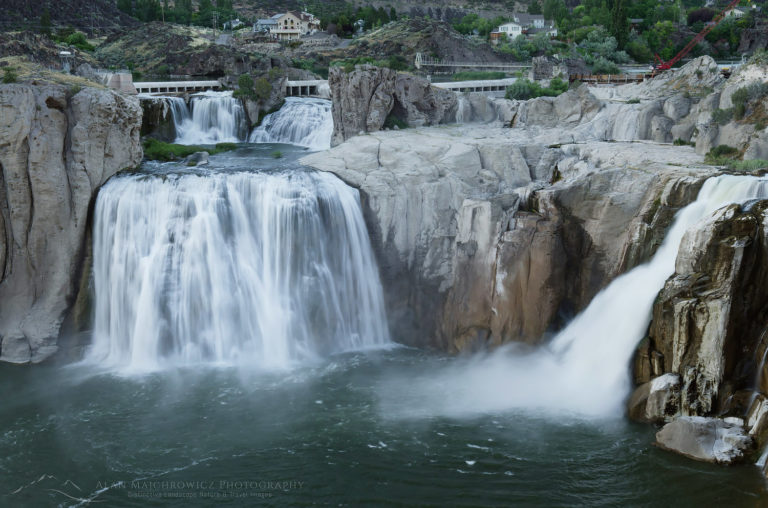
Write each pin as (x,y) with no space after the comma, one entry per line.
(215,22)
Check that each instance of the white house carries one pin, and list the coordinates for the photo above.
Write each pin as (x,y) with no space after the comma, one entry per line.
(523,23)
(507,30)
(735,12)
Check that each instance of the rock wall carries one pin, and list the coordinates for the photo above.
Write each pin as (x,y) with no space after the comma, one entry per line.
(701,370)
(365,97)
(156,119)
(56,149)
(477,241)
(709,320)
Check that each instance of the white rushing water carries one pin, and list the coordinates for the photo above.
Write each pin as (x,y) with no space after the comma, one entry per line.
(585,369)
(216,117)
(301,121)
(255,269)
(463,108)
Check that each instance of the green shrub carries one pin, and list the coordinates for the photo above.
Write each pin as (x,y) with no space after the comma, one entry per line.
(604,66)
(722,116)
(523,89)
(9,76)
(259,90)
(392,121)
(750,165)
(157,150)
(721,155)
(682,142)
(277,154)
(723,150)
(78,40)
(262,89)
(633,101)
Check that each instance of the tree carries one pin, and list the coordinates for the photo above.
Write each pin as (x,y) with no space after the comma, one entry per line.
(619,23)
(45,22)
(534,7)
(555,9)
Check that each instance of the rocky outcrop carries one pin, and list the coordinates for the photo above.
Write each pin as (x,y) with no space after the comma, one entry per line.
(476,248)
(362,99)
(366,96)
(56,149)
(708,319)
(707,439)
(157,119)
(418,103)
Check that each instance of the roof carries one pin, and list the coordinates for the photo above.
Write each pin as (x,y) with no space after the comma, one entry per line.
(268,21)
(525,18)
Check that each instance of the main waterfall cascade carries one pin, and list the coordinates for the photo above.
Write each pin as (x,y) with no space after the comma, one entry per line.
(301,121)
(215,117)
(584,370)
(265,269)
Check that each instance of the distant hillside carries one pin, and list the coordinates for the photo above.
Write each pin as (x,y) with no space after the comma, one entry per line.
(100,15)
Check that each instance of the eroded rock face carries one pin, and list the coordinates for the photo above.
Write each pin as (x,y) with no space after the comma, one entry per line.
(55,152)
(477,247)
(708,319)
(362,99)
(418,103)
(157,119)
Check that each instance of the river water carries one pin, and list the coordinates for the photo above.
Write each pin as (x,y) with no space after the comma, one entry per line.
(325,433)
(194,395)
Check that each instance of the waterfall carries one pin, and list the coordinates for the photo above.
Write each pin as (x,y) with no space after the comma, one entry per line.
(179,110)
(585,369)
(596,347)
(301,121)
(463,108)
(216,117)
(244,268)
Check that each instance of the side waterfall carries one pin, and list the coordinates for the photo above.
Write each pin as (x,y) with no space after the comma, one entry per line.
(216,117)
(301,121)
(585,369)
(245,268)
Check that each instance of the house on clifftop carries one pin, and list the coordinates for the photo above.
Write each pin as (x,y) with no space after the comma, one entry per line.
(288,26)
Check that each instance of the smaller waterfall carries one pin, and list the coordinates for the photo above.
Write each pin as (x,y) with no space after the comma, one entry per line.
(179,110)
(301,121)
(216,117)
(463,109)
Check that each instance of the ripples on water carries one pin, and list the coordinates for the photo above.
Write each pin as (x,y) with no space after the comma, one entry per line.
(331,427)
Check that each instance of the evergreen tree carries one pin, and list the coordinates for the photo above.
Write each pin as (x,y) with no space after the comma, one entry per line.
(45,22)
(619,25)
(534,7)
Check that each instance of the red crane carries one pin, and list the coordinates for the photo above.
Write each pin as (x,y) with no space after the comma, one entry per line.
(661,65)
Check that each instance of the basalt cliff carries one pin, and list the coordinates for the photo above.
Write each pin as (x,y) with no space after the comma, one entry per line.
(57,147)
(501,230)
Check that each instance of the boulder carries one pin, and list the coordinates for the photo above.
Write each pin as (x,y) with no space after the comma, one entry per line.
(56,150)
(657,400)
(758,146)
(197,159)
(706,439)
(677,106)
